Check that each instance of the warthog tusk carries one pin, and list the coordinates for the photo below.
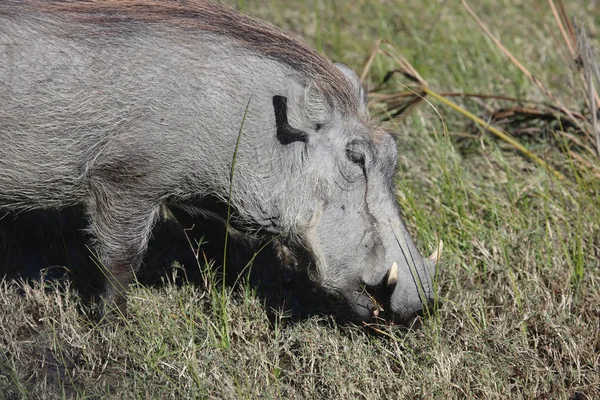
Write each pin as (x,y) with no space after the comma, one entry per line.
(393,275)
(437,254)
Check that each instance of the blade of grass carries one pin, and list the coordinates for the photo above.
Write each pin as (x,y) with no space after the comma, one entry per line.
(231,174)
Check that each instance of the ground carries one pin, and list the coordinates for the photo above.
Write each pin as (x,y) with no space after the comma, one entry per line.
(519,280)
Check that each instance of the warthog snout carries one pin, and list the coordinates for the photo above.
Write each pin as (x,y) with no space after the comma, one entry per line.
(416,297)
(399,299)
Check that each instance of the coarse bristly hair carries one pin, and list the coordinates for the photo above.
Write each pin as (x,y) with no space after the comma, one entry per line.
(251,33)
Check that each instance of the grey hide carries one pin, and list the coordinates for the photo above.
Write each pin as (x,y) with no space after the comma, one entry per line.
(123,106)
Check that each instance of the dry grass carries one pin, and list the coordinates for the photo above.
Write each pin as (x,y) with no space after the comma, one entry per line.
(520,276)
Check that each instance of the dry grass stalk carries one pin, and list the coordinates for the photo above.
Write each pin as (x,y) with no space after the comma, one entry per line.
(590,70)
(519,65)
(503,135)
(581,56)
(589,165)
(398,104)
(569,38)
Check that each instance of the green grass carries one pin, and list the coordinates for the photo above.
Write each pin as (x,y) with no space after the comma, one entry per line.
(519,278)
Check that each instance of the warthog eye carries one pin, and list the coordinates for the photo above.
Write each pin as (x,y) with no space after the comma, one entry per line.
(355,154)
(356,157)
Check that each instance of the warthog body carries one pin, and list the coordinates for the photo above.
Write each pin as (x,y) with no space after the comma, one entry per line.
(123,106)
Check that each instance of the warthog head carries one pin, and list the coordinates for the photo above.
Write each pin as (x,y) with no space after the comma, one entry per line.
(342,205)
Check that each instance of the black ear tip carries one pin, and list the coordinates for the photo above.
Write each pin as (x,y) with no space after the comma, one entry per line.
(280,108)
(279,101)
(285,133)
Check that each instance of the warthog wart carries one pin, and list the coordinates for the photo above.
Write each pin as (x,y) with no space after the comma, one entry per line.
(124,106)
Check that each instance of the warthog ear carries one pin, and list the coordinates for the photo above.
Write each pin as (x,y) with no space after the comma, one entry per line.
(285,133)
(355,80)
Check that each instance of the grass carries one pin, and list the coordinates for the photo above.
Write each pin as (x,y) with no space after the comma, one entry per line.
(519,278)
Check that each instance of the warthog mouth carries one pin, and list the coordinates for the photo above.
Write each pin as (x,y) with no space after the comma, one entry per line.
(375,302)
(363,304)
(373,305)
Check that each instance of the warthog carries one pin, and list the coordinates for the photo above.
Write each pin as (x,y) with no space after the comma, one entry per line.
(123,106)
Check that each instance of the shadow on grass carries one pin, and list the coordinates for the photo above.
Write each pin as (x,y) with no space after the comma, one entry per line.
(56,242)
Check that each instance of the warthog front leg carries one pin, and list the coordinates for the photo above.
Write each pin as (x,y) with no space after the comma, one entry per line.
(121,224)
